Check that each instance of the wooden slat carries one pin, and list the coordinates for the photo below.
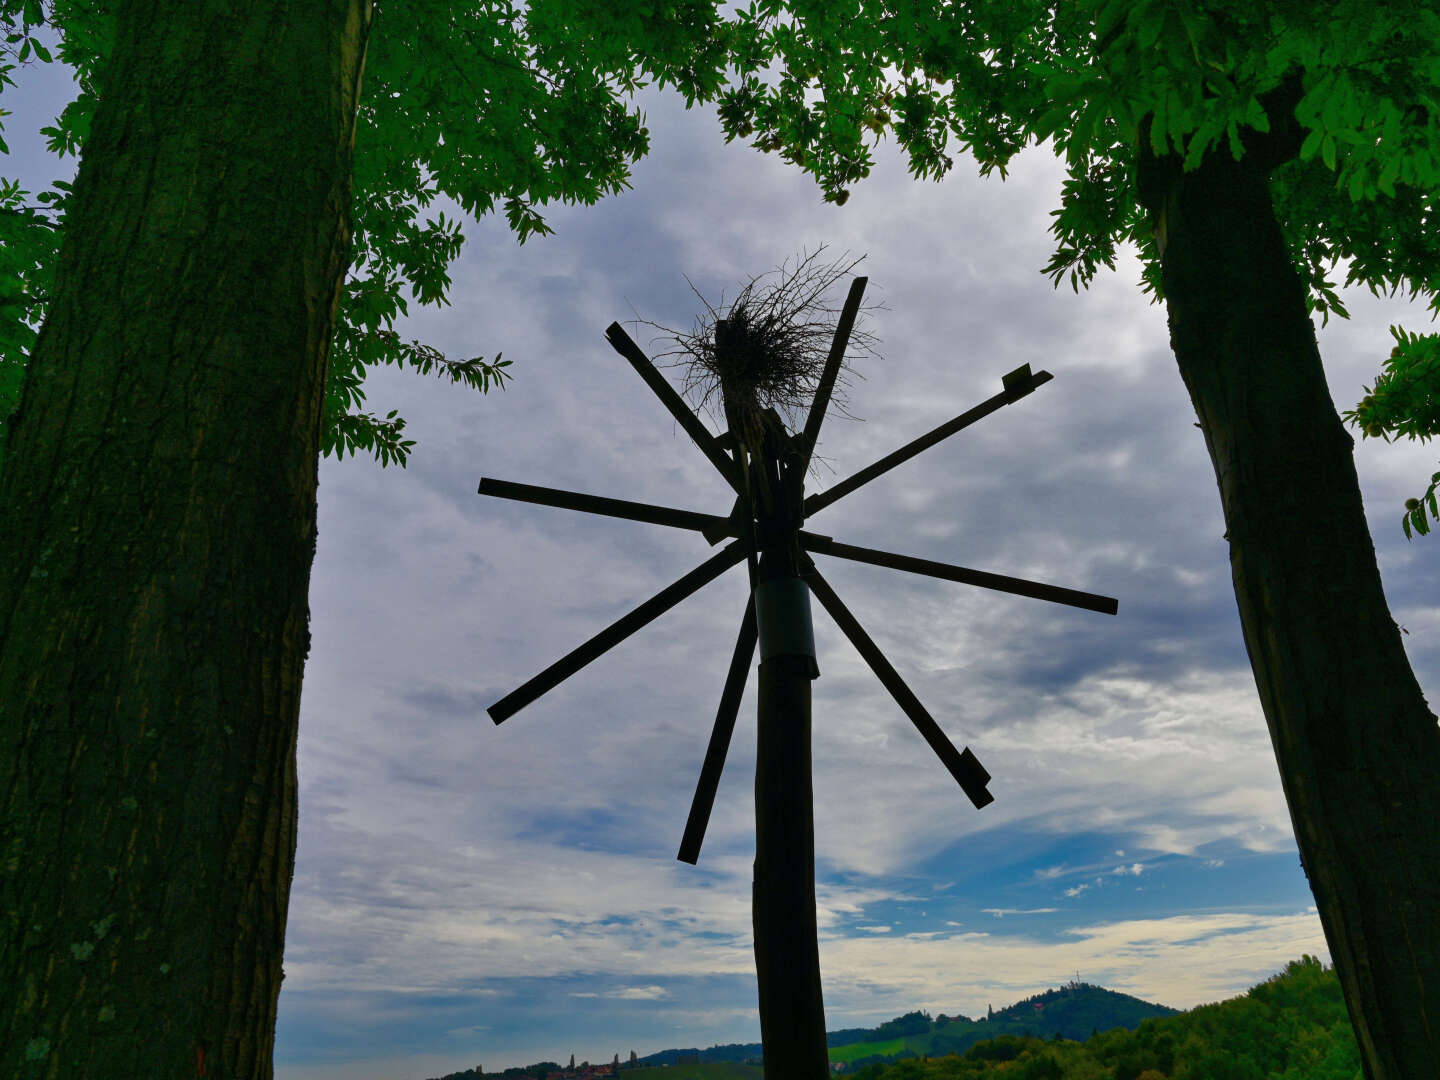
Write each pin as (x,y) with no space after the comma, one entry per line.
(618,631)
(838,346)
(598,504)
(817,502)
(1106,605)
(621,343)
(704,800)
(963,765)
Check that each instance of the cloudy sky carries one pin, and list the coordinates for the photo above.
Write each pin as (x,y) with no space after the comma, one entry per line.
(470,894)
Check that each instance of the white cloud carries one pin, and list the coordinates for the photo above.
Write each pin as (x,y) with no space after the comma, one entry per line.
(1181,961)
(641,993)
(1002,912)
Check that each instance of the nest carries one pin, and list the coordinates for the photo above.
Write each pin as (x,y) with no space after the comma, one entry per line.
(767,349)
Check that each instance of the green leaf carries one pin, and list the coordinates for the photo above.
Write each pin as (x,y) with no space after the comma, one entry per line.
(1159,135)
(1148,25)
(1327,151)
(1255,115)
(1386,182)
(1356,186)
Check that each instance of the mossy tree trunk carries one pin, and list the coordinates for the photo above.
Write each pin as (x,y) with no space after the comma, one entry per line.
(158,497)
(1357,747)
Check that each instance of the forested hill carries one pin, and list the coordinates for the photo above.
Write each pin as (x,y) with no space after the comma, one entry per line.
(1078,1010)
(1075,1011)
(1291,1027)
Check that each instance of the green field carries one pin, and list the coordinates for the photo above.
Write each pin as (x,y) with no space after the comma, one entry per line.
(724,1070)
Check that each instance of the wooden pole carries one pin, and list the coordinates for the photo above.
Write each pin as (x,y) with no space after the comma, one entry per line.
(787,953)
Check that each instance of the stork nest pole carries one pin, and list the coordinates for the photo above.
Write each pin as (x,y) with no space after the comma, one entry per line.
(760,365)
(777,354)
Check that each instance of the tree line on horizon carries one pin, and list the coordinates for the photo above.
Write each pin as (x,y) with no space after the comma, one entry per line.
(1292,1026)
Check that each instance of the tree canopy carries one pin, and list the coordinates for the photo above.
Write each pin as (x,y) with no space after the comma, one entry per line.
(515,107)
(822,83)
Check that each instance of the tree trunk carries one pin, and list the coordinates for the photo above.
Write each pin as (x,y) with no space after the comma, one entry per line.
(158,500)
(1357,747)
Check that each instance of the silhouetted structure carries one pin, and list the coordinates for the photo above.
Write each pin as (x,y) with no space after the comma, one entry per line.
(766,466)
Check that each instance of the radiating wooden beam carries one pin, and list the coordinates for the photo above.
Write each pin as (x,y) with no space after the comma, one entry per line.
(963,765)
(621,343)
(618,631)
(1106,605)
(704,800)
(598,504)
(1016,387)
(733,525)
(838,346)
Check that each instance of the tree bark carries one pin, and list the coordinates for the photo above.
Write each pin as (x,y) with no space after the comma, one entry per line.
(1357,746)
(158,499)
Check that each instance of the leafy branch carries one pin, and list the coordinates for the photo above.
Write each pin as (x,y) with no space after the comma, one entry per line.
(1405,401)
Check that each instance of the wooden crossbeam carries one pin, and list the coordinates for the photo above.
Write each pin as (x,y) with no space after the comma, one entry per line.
(621,343)
(704,800)
(620,508)
(1017,384)
(728,526)
(1106,605)
(838,345)
(963,765)
(618,631)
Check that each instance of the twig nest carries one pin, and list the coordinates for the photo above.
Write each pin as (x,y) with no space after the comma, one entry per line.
(768,348)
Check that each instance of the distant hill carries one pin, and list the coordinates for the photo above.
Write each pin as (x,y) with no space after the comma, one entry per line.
(1074,1011)
(1078,1010)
